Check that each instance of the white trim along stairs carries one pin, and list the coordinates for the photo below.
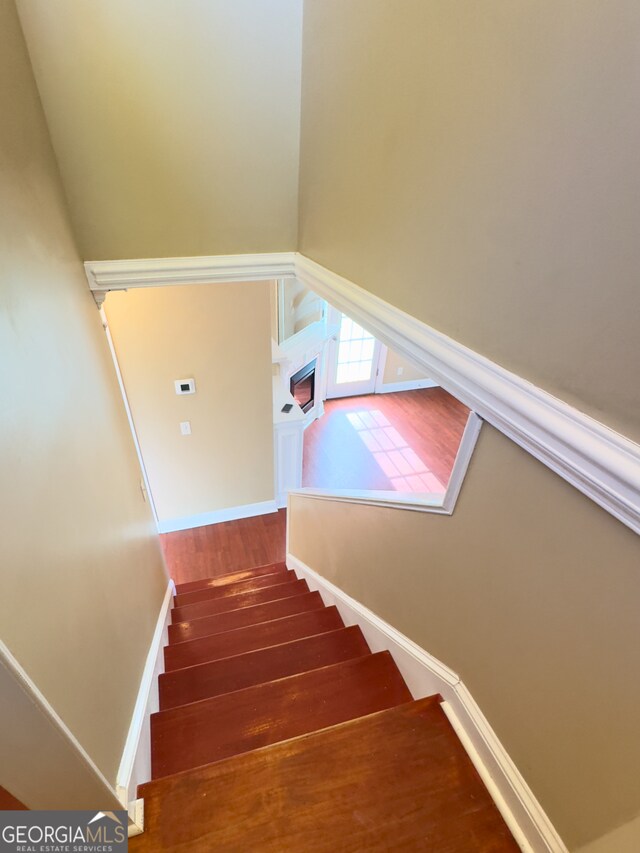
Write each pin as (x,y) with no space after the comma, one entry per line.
(425,675)
(601,463)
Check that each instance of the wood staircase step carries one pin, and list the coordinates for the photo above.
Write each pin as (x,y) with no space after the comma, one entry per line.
(395,780)
(235,673)
(252,637)
(230,577)
(207,731)
(9,803)
(237,602)
(184,631)
(236,588)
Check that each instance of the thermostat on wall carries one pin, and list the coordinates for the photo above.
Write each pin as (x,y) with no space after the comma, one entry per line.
(185,386)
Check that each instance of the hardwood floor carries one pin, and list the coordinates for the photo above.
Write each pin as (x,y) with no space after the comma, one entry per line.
(217,549)
(405,442)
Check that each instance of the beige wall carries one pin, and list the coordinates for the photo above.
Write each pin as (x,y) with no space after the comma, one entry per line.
(623,839)
(175,122)
(409,371)
(476,164)
(220,335)
(81,572)
(530,592)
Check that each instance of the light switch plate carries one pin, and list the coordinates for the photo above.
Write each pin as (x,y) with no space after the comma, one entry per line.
(185,427)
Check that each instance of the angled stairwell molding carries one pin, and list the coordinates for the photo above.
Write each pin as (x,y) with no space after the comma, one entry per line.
(440,504)
(598,461)
(601,463)
(426,675)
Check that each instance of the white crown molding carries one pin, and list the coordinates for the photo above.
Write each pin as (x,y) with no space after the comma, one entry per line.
(601,463)
(598,461)
(104,276)
(426,675)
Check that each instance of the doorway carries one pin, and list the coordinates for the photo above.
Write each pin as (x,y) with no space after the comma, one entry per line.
(353,361)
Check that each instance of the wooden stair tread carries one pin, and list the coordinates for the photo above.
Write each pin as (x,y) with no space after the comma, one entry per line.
(9,803)
(395,780)
(184,631)
(236,602)
(252,637)
(235,588)
(206,731)
(246,670)
(230,577)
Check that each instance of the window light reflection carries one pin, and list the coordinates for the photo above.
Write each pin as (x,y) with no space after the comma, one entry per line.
(398,461)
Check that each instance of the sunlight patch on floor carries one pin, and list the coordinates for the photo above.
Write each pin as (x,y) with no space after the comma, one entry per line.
(396,458)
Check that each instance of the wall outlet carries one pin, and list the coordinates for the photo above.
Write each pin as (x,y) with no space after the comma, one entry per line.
(400,371)
(185,427)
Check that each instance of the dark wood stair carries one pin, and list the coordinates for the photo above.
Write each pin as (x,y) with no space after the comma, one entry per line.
(214,678)
(252,637)
(233,577)
(395,780)
(279,730)
(237,722)
(231,589)
(211,606)
(220,622)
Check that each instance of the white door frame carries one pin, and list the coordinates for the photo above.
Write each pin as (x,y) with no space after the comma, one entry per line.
(353,389)
(144,483)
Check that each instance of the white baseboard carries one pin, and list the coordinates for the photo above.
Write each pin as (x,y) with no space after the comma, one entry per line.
(409,385)
(186,522)
(135,765)
(136,818)
(425,675)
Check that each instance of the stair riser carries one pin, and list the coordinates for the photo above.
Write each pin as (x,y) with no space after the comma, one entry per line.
(185,631)
(236,673)
(237,602)
(230,589)
(252,638)
(232,577)
(208,731)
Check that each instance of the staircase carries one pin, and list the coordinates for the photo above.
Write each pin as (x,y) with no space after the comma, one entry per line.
(279,730)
